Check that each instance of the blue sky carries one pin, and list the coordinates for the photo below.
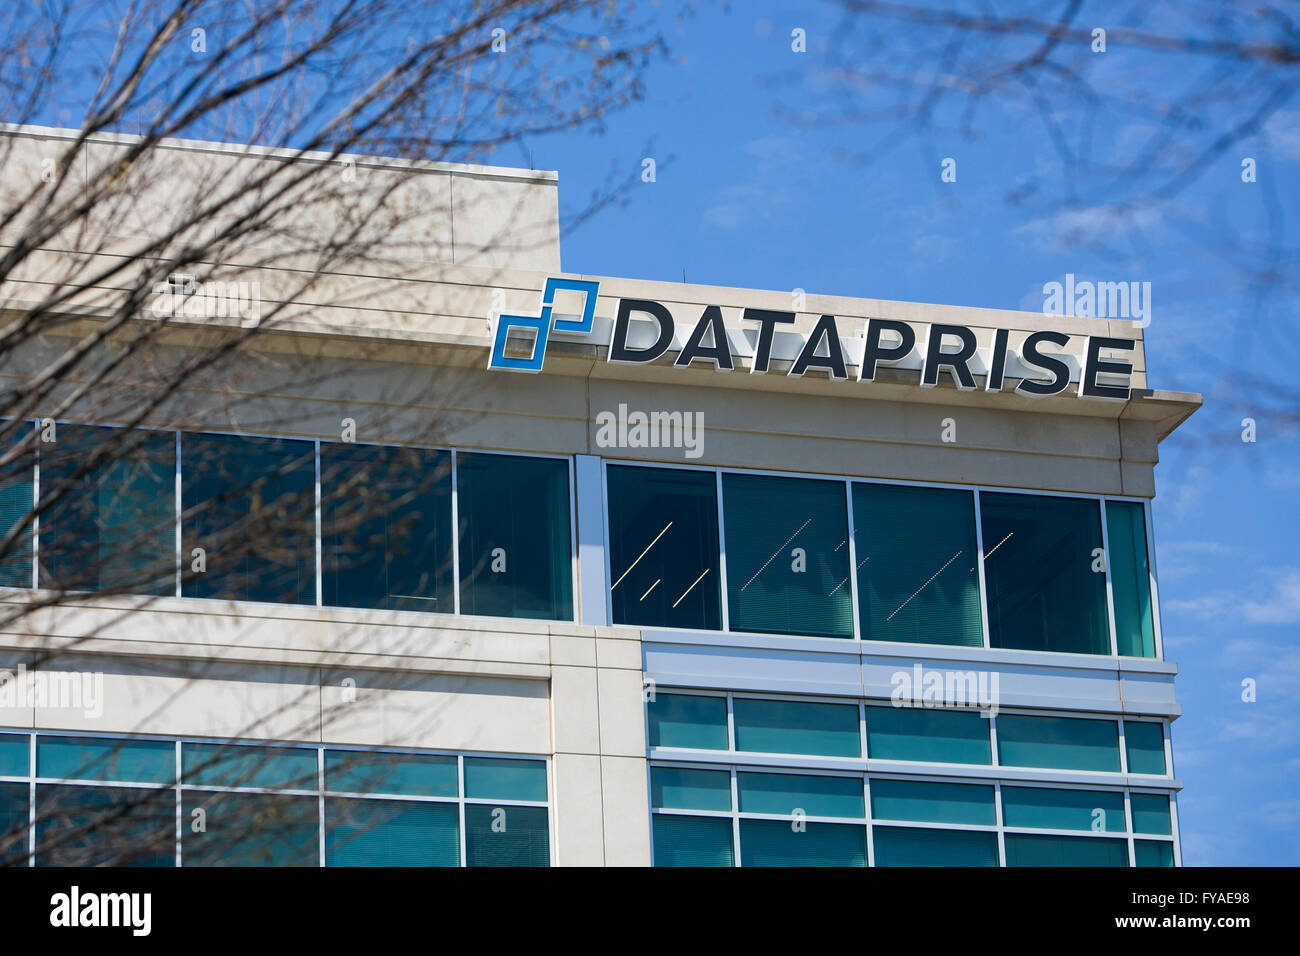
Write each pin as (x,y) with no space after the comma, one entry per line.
(746,196)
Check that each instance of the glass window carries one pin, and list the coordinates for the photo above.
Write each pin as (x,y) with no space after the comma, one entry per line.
(105,826)
(907,846)
(506,836)
(1153,853)
(104,758)
(250,504)
(248,829)
(926,802)
(493,778)
(689,721)
(1150,813)
(918,578)
(1044,574)
(391,833)
(811,796)
(920,733)
(1130,579)
(676,788)
(1059,809)
(663,547)
(386,527)
(692,841)
(795,727)
(778,843)
(1145,743)
(787,556)
(360,771)
(16,483)
(13,754)
(108,521)
(13,824)
(516,549)
(239,765)
(1037,849)
(1062,743)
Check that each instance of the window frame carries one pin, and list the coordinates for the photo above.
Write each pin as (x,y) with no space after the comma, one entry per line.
(848,482)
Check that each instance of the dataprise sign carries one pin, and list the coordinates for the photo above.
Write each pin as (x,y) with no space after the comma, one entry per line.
(1045,363)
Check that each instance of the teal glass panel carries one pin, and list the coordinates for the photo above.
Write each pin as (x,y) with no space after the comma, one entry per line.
(931,735)
(13,824)
(13,755)
(676,788)
(109,510)
(1055,809)
(1130,579)
(813,796)
(16,484)
(493,778)
(506,836)
(906,846)
(105,826)
(250,504)
(663,547)
(386,527)
(1036,849)
(414,775)
(250,829)
(918,573)
(1145,743)
(1150,813)
(1153,853)
(238,765)
(1061,743)
(787,556)
(1039,555)
(692,841)
(926,802)
(516,546)
(391,833)
(105,758)
(777,843)
(689,721)
(796,727)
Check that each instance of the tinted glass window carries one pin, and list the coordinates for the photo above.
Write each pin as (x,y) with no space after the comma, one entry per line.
(663,547)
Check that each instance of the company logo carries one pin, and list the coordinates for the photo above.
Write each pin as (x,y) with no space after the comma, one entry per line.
(1042,363)
(542,324)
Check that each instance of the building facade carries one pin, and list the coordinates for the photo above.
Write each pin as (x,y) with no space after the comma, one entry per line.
(655,574)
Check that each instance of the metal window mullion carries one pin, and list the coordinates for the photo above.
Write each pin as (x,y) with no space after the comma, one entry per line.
(1123,748)
(979,567)
(1128,826)
(180,541)
(994,761)
(575,581)
(722,560)
(609,557)
(36,502)
(853,559)
(320,800)
(735,818)
(998,821)
(180,809)
(31,799)
(460,790)
(1105,566)
(455,551)
(866,808)
(320,591)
